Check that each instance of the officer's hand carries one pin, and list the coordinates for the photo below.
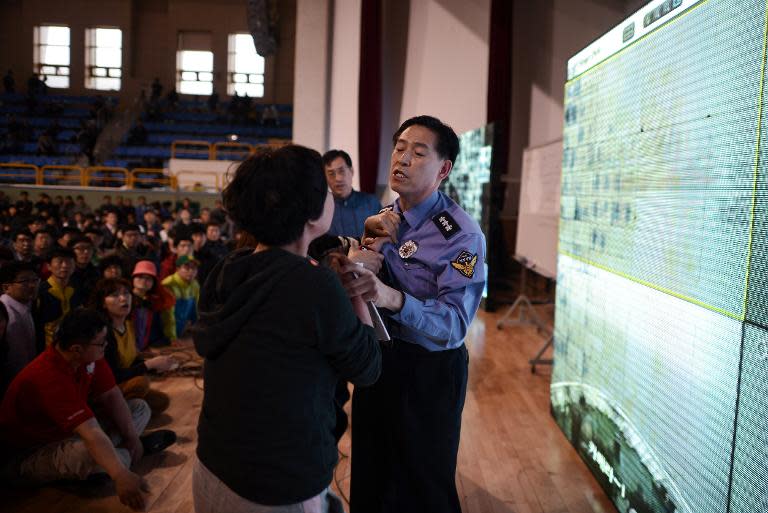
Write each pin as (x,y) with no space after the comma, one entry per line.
(371,260)
(383,225)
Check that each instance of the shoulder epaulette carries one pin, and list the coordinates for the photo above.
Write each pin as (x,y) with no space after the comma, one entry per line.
(446,224)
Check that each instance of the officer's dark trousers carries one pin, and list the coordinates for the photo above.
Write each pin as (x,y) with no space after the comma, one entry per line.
(405,432)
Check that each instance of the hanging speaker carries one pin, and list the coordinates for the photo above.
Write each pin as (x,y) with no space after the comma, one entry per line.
(262,22)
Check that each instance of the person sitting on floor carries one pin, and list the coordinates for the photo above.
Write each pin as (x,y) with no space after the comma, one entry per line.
(19,282)
(56,296)
(150,301)
(185,288)
(86,274)
(111,266)
(47,427)
(113,298)
(179,245)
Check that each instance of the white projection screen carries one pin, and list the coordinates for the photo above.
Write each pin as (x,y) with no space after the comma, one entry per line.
(660,378)
(540,208)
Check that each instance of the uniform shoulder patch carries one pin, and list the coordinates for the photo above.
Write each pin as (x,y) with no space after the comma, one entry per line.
(465,263)
(446,224)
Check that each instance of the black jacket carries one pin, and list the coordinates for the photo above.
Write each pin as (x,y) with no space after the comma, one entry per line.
(277,334)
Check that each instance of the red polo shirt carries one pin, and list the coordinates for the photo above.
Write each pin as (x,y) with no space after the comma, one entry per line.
(48,399)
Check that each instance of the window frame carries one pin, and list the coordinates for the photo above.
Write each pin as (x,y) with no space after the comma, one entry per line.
(90,57)
(38,66)
(180,73)
(255,79)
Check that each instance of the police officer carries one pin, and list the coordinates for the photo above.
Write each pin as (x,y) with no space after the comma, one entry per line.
(405,435)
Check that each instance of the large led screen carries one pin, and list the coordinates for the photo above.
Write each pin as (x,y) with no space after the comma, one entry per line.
(660,378)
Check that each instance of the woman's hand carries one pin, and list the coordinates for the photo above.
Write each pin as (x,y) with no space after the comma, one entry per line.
(160,363)
(367,286)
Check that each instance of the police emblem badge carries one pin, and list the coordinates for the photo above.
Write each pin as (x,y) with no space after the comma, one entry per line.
(408,249)
(465,263)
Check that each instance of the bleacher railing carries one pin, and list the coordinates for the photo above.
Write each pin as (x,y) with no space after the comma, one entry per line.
(62,175)
(221,150)
(108,176)
(228,150)
(94,176)
(185,149)
(151,177)
(20,173)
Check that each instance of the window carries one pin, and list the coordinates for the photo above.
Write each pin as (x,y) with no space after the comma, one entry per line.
(51,57)
(194,63)
(103,58)
(194,72)
(246,67)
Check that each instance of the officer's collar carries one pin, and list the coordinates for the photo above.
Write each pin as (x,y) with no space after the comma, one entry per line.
(416,215)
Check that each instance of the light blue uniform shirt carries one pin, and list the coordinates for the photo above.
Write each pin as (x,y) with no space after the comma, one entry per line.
(443,280)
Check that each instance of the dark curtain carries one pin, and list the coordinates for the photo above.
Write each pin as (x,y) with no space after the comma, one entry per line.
(369,97)
(500,77)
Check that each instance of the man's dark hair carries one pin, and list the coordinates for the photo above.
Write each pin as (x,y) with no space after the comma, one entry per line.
(23,231)
(59,252)
(94,229)
(332,155)
(213,222)
(111,260)
(447,142)
(274,193)
(196,228)
(79,239)
(72,230)
(130,228)
(9,271)
(50,230)
(179,233)
(80,326)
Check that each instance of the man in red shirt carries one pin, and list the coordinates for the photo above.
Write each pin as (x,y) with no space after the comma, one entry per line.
(48,427)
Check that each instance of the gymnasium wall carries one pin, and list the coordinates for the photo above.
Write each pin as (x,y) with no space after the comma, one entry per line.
(150,29)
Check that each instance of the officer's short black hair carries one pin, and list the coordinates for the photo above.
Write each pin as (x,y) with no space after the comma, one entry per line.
(447,140)
(274,193)
(332,155)
(80,326)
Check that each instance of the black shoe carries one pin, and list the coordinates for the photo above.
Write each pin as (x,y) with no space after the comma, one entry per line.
(157,440)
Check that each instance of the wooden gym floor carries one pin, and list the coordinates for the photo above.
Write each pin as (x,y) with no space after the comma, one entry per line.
(513,458)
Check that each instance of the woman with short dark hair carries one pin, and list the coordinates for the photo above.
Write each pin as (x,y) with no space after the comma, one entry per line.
(113,297)
(277,334)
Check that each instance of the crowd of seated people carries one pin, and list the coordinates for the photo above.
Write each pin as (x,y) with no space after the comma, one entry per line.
(37,125)
(131,271)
